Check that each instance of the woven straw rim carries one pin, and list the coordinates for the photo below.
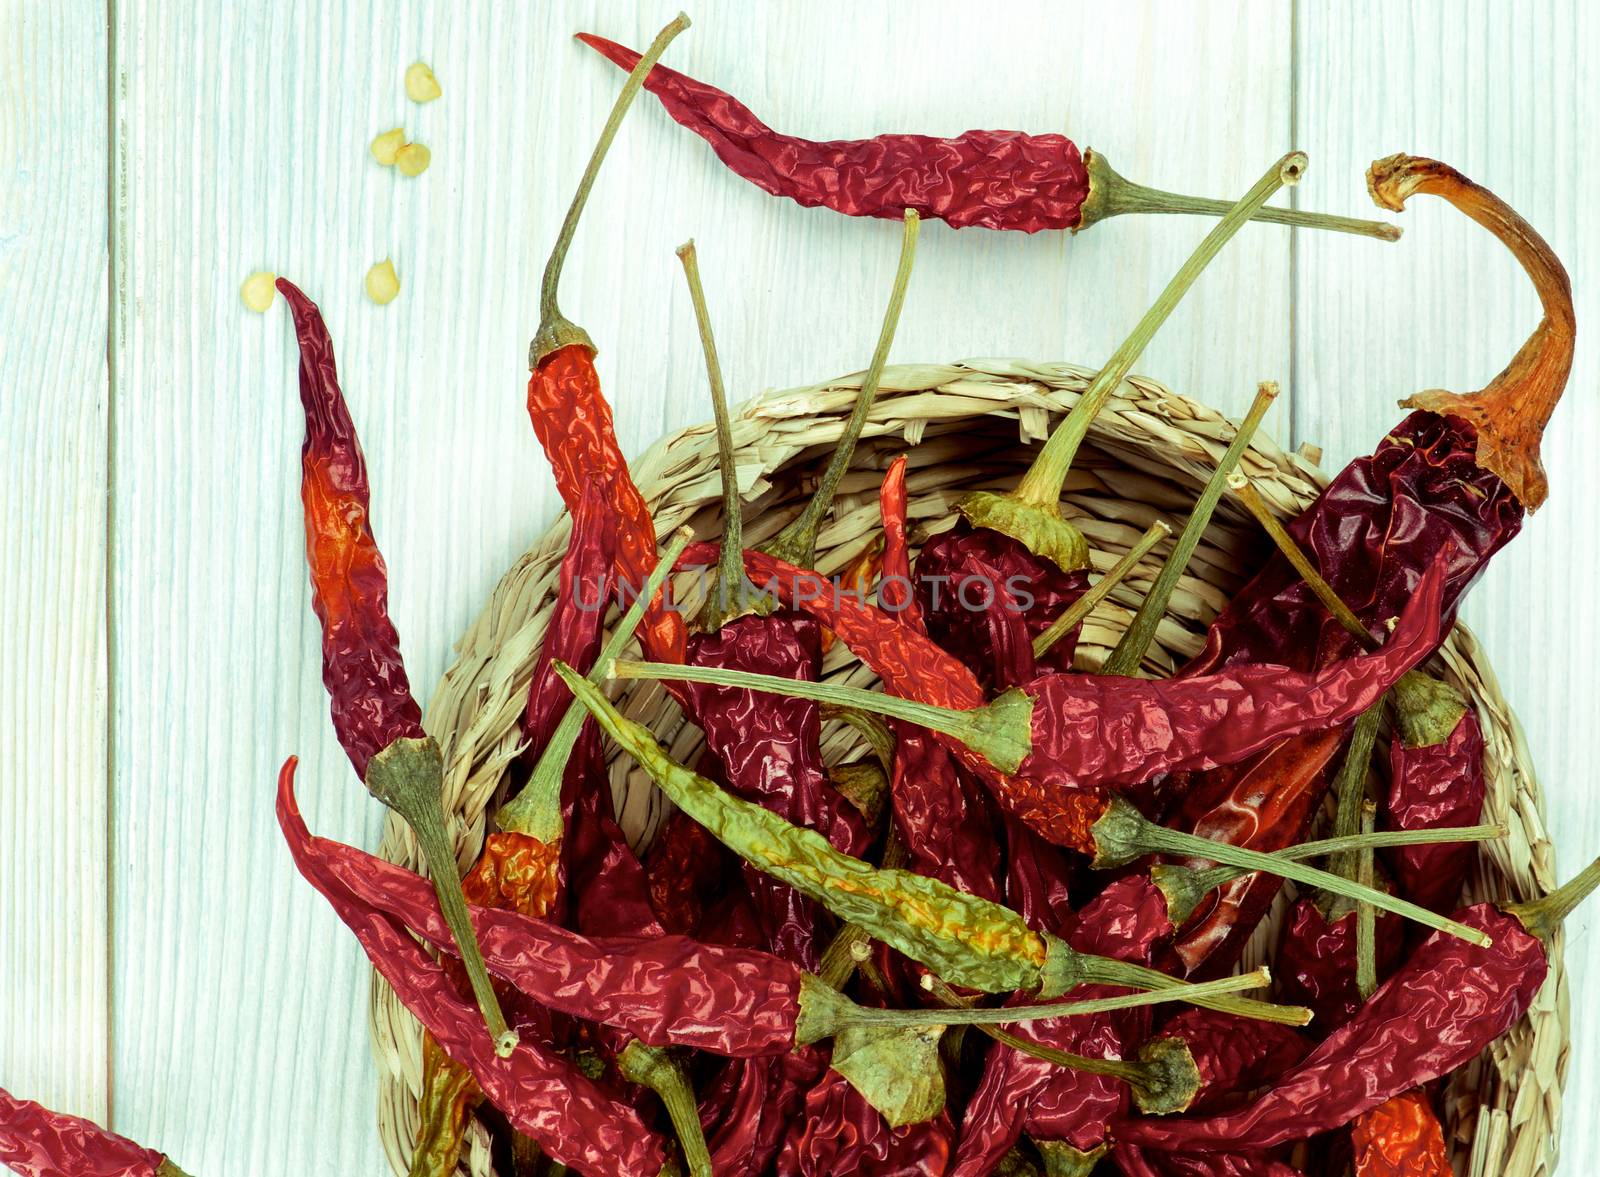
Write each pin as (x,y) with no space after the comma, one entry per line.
(1148,453)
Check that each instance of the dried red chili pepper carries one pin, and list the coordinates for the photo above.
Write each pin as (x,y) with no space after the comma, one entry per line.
(1401,1137)
(994,179)
(1233,1055)
(1457,474)
(1436,780)
(37,1142)
(378,722)
(1437,1012)
(1133,1162)
(570,414)
(840,1133)
(542,1094)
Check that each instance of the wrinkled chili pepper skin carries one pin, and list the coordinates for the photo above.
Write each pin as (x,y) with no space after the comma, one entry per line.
(1099,731)
(769,749)
(1316,961)
(840,1133)
(965,574)
(1433,787)
(361,665)
(1401,1137)
(1372,533)
(572,420)
(1265,803)
(36,1142)
(1447,1003)
(994,179)
(663,990)
(1021,1093)
(1135,1162)
(542,1094)
(684,864)
(1233,1054)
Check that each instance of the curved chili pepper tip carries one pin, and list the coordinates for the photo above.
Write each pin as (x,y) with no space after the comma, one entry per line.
(1511,411)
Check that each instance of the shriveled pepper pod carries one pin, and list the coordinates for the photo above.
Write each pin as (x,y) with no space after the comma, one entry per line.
(37,1142)
(991,179)
(1437,1012)
(569,412)
(377,720)
(1401,1137)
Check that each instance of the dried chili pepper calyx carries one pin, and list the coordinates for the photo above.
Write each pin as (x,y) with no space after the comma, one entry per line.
(1123,835)
(1129,653)
(1426,709)
(1064,1160)
(663,1072)
(536,811)
(408,777)
(1112,195)
(1511,411)
(556,331)
(1031,514)
(1185,887)
(797,542)
(1542,917)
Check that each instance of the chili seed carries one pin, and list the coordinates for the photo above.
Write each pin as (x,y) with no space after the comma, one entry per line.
(383,284)
(387,146)
(413,159)
(258,290)
(421,85)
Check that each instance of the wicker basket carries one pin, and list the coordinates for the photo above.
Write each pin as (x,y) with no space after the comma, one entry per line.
(1148,453)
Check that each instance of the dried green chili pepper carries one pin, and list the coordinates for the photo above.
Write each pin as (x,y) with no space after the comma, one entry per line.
(967,941)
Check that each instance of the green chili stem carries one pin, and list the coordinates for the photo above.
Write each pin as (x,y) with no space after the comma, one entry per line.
(655,1068)
(797,543)
(1543,916)
(408,777)
(555,330)
(1130,651)
(1104,970)
(730,578)
(1000,731)
(1247,494)
(536,811)
(1064,1160)
(1351,788)
(1097,592)
(872,729)
(1041,486)
(1009,1014)
(1111,194)
(1123,834)
(1366,917)
(168,1169)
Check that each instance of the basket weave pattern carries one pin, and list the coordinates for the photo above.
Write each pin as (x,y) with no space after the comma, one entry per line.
(1148,454)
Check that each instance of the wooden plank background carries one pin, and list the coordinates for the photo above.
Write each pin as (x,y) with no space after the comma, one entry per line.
(160,963)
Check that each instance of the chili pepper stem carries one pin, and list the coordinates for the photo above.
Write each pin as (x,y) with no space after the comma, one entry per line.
(797,543)
(1511,411)
(1064,1160)
(1543,916)
(1065,968)
(555,330)
(825,1013)
(1351,788)
(1123,834)
(408,777)
(1185,886)
(168,1169)
(536,811)
(1111,195)
(1000,731)
(1366,916)
(728,593)
(1031,513)
(1130,650)
(1097,592)
(659,1070)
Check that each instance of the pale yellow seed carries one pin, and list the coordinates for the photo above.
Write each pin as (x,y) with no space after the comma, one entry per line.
(387,145)
(421,85)
(258,290)
(413,159)
(383,284)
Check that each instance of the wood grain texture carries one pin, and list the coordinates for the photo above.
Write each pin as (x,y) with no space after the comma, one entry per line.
(237,1035)
(53,784)
(1504,93)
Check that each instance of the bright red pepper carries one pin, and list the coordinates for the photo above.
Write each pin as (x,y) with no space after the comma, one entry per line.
(1401,1137)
